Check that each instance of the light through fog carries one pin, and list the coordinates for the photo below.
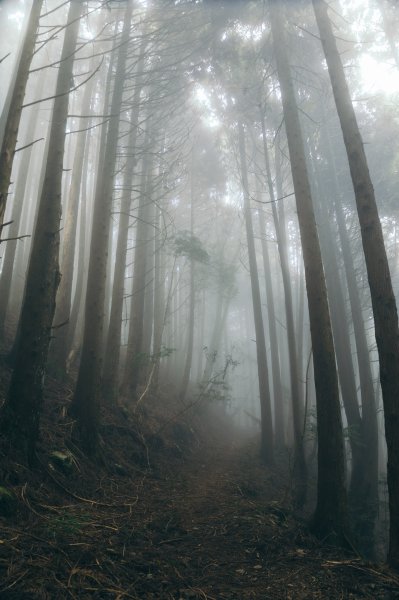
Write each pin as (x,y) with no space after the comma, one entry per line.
(378,76)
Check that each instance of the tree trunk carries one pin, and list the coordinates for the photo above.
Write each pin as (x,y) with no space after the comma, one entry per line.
(112,350)
(263,376)
(369,409)
(300,470)
(59,347)
(330,517)
(275,358)
(86,399)
(21,411)
(9,249)
(134,357)
(382,296)
(9,141)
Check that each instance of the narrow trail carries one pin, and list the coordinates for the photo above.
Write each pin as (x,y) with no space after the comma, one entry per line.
(212,524)
(229,536)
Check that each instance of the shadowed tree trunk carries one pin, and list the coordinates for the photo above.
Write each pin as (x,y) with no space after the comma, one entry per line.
(21,411)
(274,349)
(267,444)
(382,296)
(9,141)
(330,516)
(112,349)
(14,230)
(300,470)
(134,357)
(86,399)
(59,347)
(191,312)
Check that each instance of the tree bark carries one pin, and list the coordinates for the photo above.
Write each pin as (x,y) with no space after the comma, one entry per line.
(267,443)
(9,141)
(274,349)
(134,357)
(382,296)
(330,517)
(59,347)
(9,248)
(112,349)
(300,469)
(86,398)
(21,412)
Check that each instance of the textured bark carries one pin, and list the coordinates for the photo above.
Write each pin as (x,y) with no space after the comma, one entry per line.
(59,346)
(191,311)
(368,492)
(330,517)
(340,328)
(190,335)
(112,350)
(300,469)
(134,358)
(267,444)
(81,269)
(159,296)
(86,398)
(10,248)
(274,349)
(382,296)
(21,412)
(9,141)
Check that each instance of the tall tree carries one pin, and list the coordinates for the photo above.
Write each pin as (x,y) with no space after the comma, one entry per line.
(10,137)
(267,442)
(21,411)
(64,295)
(300,470)
(86,398)
(382,295)
(112,350)
(329,518)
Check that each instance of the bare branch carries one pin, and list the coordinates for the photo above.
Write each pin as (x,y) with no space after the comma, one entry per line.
(28,145)
(64,93)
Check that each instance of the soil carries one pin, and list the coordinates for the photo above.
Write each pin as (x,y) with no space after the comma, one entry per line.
(173,511)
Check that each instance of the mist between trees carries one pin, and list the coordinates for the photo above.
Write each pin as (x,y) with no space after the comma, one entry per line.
(200,198)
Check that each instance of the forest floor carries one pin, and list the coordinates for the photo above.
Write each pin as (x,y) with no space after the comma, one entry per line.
(177,513)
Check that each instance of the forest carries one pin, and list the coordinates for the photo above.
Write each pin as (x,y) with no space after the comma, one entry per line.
(199,339)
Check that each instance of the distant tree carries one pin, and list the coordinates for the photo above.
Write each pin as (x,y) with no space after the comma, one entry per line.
(267,441)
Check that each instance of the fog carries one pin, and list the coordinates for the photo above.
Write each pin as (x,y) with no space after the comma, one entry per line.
(163,236)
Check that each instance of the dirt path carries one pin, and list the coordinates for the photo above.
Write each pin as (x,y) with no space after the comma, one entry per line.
(230,537)
(211,527)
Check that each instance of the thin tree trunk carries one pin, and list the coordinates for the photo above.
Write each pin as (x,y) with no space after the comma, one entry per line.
(14,230)
(59,347)
(368,400)
(191,312)
(86,398)
(159,296)
(21,412)
(330,517)
(267,444)
(10,137)
(275,358)
(300,470)
(134,357)
(382,296)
